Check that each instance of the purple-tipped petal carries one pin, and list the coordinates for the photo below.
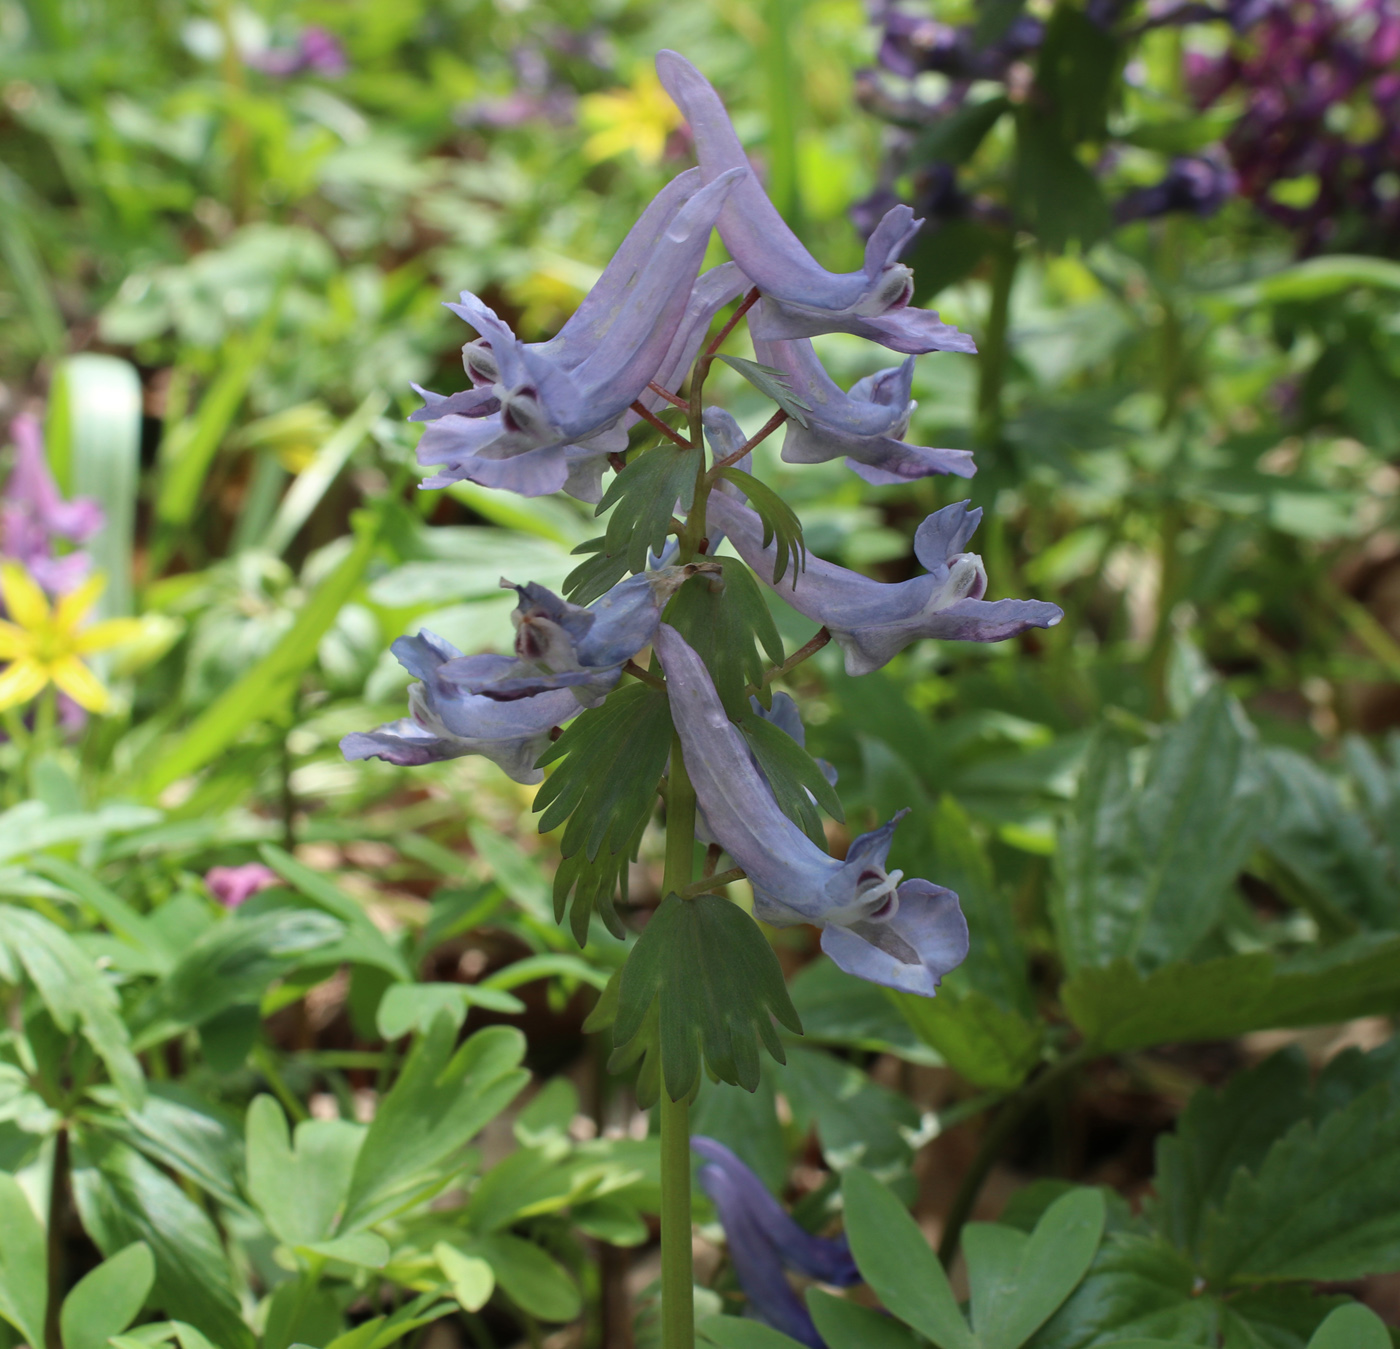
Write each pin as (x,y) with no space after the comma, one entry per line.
(873,621)
(475,402)
(928,923)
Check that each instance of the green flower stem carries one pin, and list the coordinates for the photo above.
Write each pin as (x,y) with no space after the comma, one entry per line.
(677,1276)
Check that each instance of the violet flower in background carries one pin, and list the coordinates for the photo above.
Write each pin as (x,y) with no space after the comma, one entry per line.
(873,621)
(764,1243)
(33,516)
(1196,184)
(233,886)
(905,936)
(316,49)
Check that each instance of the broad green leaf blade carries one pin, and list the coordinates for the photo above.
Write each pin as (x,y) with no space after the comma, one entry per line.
(23,1264)
(94,444)
(1018,1282)
(76,994)
(119,917)
(439,1103)
(299,1186)
(838,1009)
(1325,1203)
(737,1332)
(772,384)
(988,1044)
(857,1120)
(106,1300)
(470,1276)
(263,690)
(1354,1327)
(717,983)
(897,1262)
(123,1198)
(846,1325)
(410,1007)
(1144,865)
(530,1277)
(1314,279)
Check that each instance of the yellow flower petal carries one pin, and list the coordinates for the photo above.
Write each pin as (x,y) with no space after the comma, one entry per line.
(76,603)
(80,684)
(20,682)
(26,603)
(110,632)
(14,642)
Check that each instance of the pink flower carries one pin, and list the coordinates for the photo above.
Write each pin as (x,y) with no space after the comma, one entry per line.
(233,886)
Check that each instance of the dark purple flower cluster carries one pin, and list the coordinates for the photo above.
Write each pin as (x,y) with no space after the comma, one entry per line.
(1321,88)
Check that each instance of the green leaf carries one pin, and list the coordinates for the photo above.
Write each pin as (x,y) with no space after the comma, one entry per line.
(107,1299)
(75,992)
(1325,1203)
(793,775)
(410,1007)
(979,1039)
(1353,1327)
(613,757)
(1019,1281)
(897,1262)
(530,1277)
(643,498)
(23,1264)
(716,982)
(726,619)
(232,964)
(112,910)
(1135,1288)
(857,1119)
(595,577)
(299,1186)
(381,1331)
(1315,279)
(737,1332)
(847,1325)
(263,691)
(1054,193)
(469,1276)
(123,1198)
(838,1009)
(955,138)
(772,384)
(371,946)
(440,1102)
(780,522)
(1218,1133)
(1144,865)
(1076,75)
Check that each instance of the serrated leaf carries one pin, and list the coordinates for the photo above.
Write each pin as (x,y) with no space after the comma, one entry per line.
(643,498)
(772,384)
(779,521)
(1145,862)
(895,1259)
(727,621)
(716,983)
(1325,1203)
(595,577)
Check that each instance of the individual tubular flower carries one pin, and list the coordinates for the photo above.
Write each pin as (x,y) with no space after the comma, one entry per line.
(805,298)
(447,722)
(867,425)
(33,515)
(905,936)
(764,1242)
(554,411)
(562,645)
(872,621)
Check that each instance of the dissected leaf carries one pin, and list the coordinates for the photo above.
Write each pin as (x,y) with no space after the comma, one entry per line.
(780,522)
(772,384)
(644,497)
(716,983)
(595,577)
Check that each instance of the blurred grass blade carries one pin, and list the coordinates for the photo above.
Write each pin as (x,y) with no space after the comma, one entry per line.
(25,265)
(263,689)
(189,447)
(784,99)
(94,445)
(315,480)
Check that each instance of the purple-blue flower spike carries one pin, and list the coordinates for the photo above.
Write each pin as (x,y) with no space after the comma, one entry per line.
(866,425)
(33,515)
(903,936)
(873,621)
(446,722)
(805,299)
(763,1239)
(574,397)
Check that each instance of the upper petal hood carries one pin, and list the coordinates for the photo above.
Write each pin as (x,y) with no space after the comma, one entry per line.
(873,621)
(807,298)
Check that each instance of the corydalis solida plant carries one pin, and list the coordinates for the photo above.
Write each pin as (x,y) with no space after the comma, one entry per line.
(621,387)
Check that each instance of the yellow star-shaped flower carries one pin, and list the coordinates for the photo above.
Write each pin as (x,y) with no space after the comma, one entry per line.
(43,643)
(638,118)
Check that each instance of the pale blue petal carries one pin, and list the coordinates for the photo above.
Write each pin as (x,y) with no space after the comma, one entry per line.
(466,403)
(929,924)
